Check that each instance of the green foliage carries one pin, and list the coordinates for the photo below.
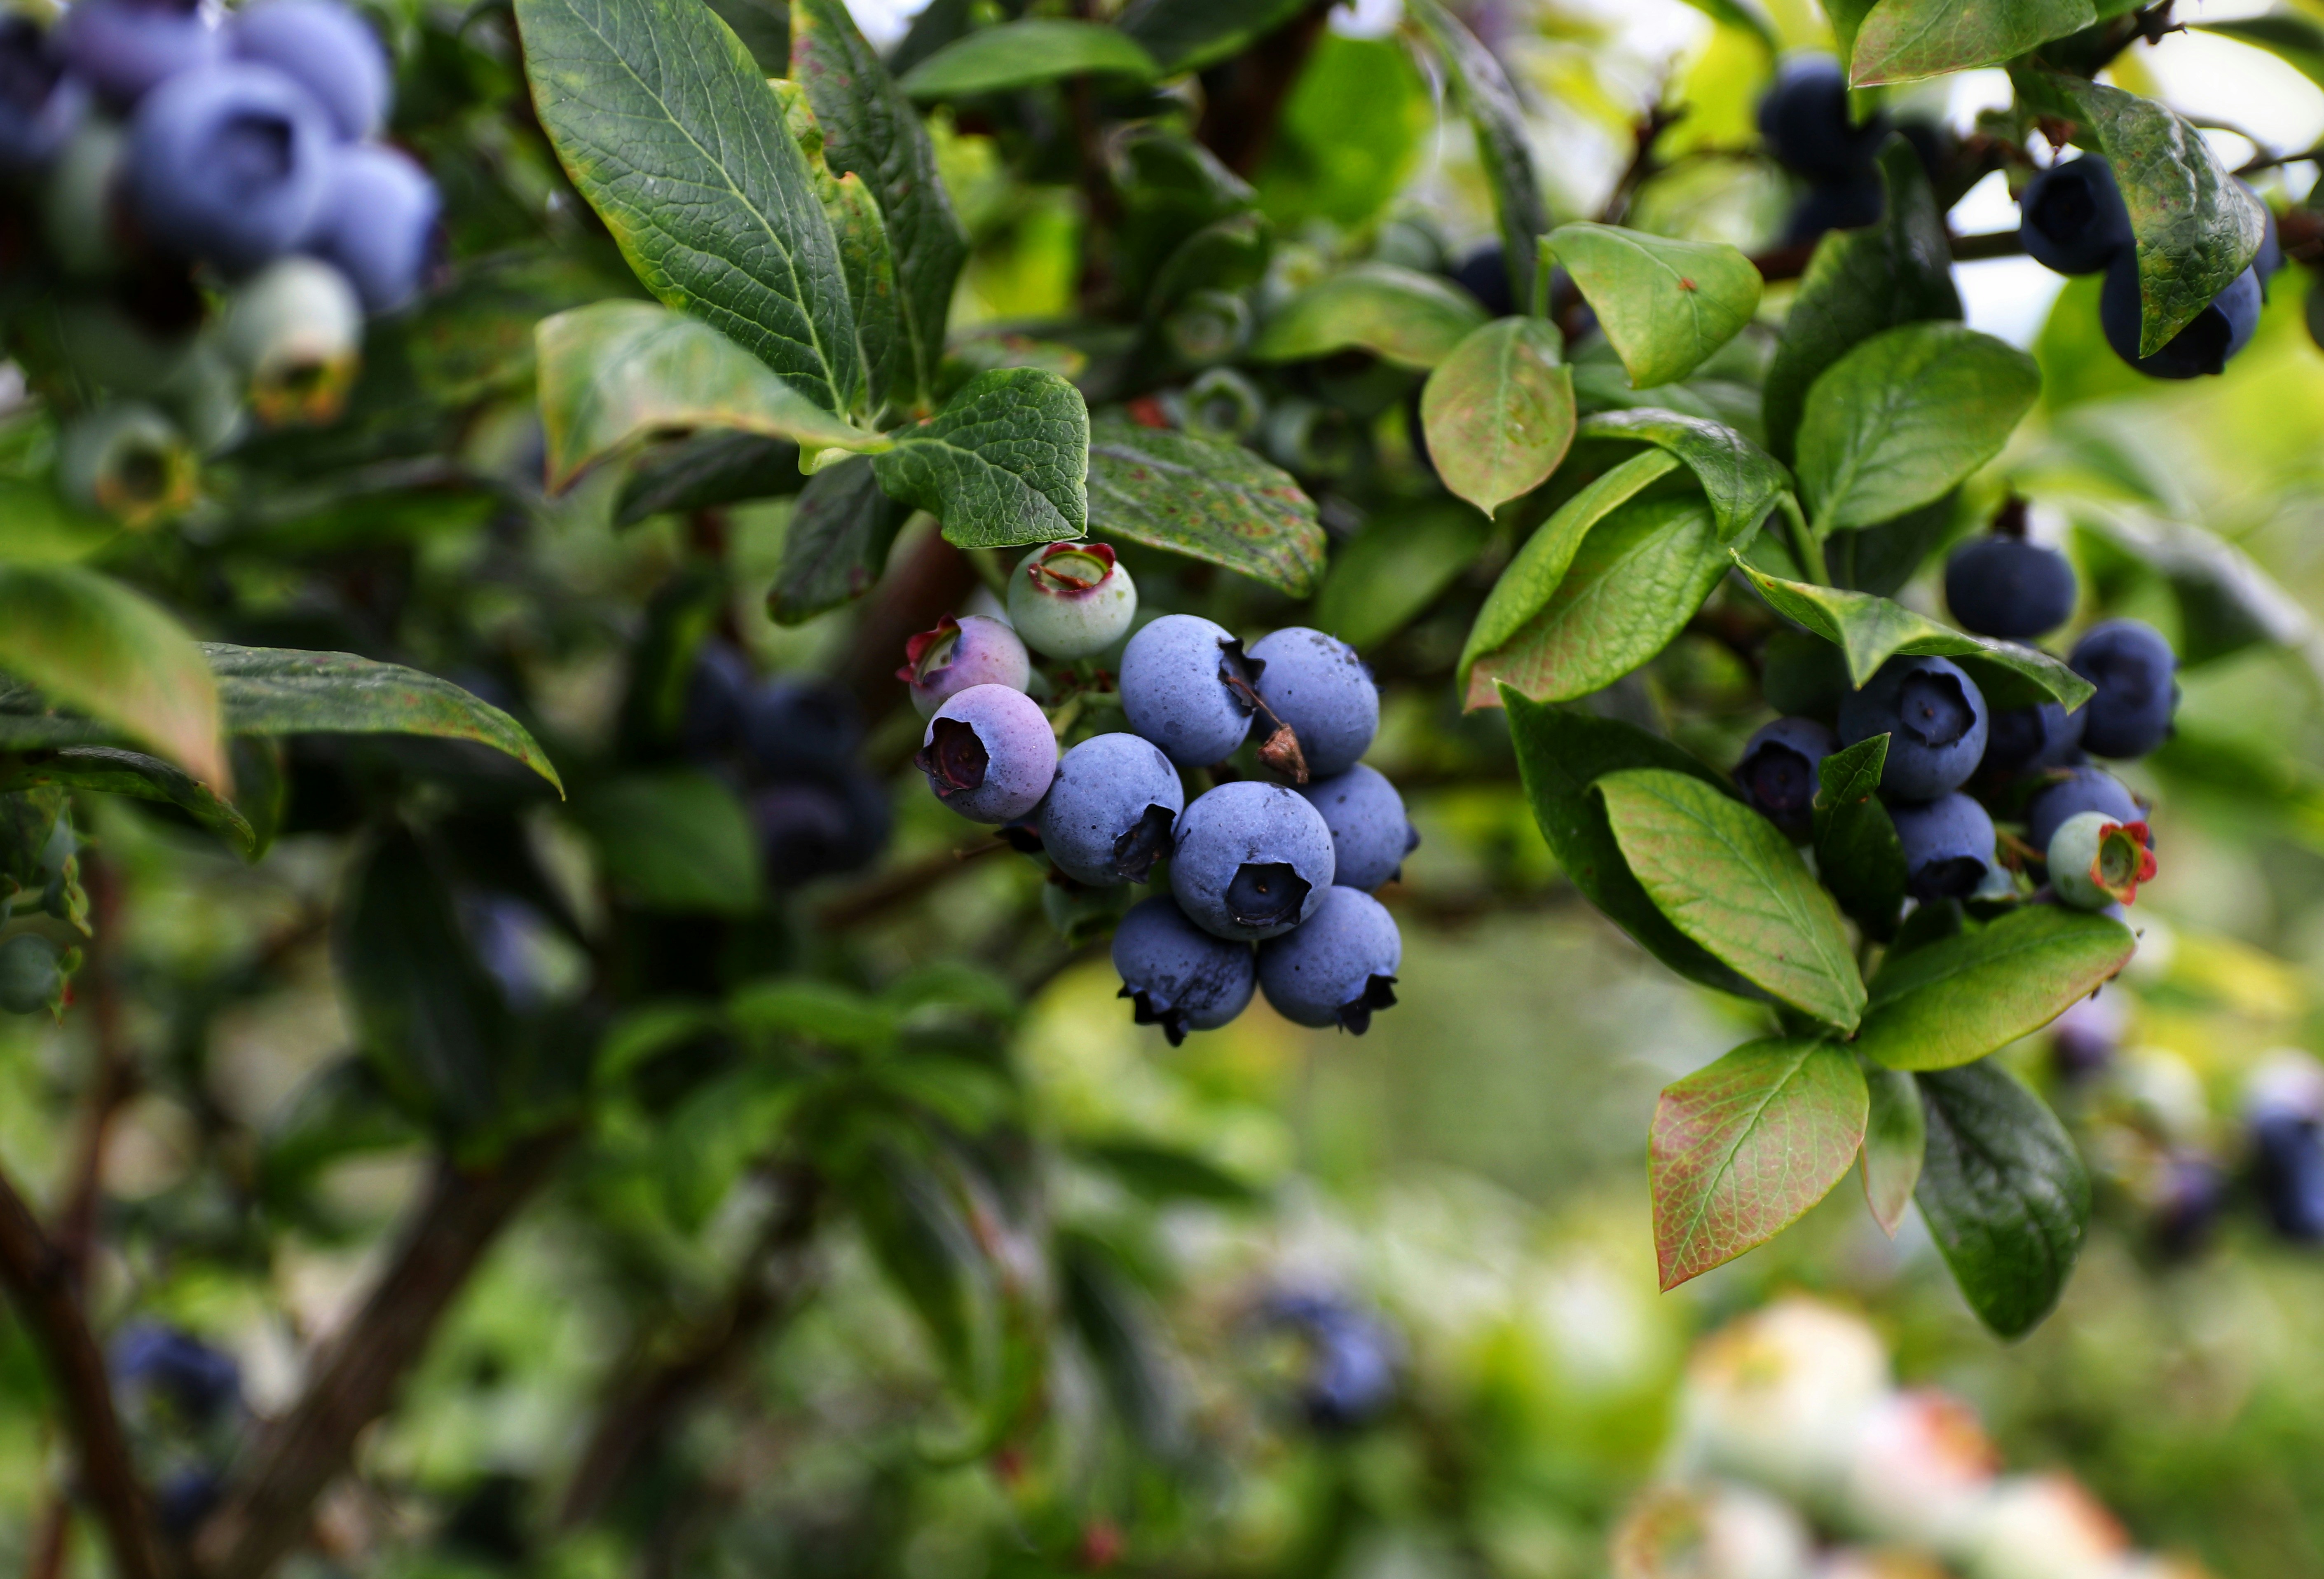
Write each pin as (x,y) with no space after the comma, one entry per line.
(1856,848)
(2004,1192)
(1667,306)
(1024,53)
(1406,318)
(1005,462)
(1500,411)
(1212,502)
(1902,40)
(1957,1000)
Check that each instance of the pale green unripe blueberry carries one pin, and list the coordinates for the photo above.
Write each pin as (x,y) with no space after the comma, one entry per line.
(2097,862)
(1223,404)
(205,396)
(127,461)
(295,330)
(1209,326)
(112,349)
(1070,600)
(30,978)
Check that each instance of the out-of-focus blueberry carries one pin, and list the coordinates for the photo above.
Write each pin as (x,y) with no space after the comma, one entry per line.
(161,1362)
(711,723)
(124,48)
(1806,120)
(39,105)
(229,163)
(2006,587)
(377,224)
(808,829)
(2205,346)
(324,47)
(795,730)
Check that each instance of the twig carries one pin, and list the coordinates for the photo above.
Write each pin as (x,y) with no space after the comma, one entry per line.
(855,906)
(271,1504)
(38,1280)
(1789,262)
(1643,165)
(2275,160)
(115,1081)
(1246,95)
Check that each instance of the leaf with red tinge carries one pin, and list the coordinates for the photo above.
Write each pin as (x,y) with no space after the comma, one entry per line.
(1741,1151)
(1895,1140)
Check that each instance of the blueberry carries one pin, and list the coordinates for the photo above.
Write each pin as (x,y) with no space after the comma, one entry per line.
(1847,204)
(1804,119)
(1351,1377)
(1111,814)
(1934,717)
(294,331)
(2005,586)
(1318,687)
(324,48)
(1071,600)
(1369,835)
(2084,1040)
(2133,670)
(799,731)
(183,1497)
(2071,219)
(2222,329)
(2082,789)
(1251,861)
(229,163)
(1948,846)
(1484,273)
(2040,735)
(39,105)
(124,48)
(1778,771)
(974,649)
(378,224)
(2097,862)
(2268,261)
(1186,686)
(716,687)
(1223,404)
(820,828)
(127,461)
(157,1361)
(1175,975)
(28,978)
(2186,1203)
(2284,1109)
(989,753)
(1337,967)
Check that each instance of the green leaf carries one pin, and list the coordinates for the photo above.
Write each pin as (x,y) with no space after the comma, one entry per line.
(1665,305)
(276,691)
(1027,53)
(1895,1140)
(1560,755)
(1498,411)
(1742,481)
(836,543)
(1902,40)
(674,841)
(809,1009)
(1870,631)
(43,529)
(866,262)
(1981,989)
(705,471)
(1395,567)
(2197,227)
(84,640)
(1217,502)
(615,372)
(1857,855)
(1727,879)
(1534,575)
(1635,581)
(764,26)
(668,127)
(917,1233)
(144,778)
(2004,1195)
(871,131)
(2291,38)
(1404,317)
(1166,1173)
(1190,35)
(1859,283)
(1504,148)
(1735,14)
(1004,463)
(1906,416)
(1349,137)
(1738,1151)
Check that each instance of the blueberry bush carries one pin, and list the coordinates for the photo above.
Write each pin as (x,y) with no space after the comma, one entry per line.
(504,508)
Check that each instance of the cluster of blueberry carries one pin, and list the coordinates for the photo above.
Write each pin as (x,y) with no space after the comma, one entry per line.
(1951,762)
(153,141)
(1250,862)
(2071,219)
(793,749)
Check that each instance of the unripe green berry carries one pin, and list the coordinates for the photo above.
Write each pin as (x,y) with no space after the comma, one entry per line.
(1223,404)
(28,977)
(127,461)
(2095,861)
(1209,326)
(295,330)
(1070,600)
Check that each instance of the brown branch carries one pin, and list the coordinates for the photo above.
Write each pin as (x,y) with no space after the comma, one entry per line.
(1789,262)
(918,588)
(775,1280)
(1245,98)
(852,906)
(355,1379)
(39,1279)
(116,1078)
(1645,163)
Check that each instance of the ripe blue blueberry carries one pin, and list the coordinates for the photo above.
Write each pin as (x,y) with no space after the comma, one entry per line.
(716,689)
(1804,119)
(2071,219)
(974,649)
(1351,1377)
(126,48)
(1251,861)
(799,730)
(183,1497)
(2222,329)
(989,753)
(229,164)
(1778,771)
(2185,1204)
(2040,735)
(2133,670)
(810,828)
(1338,968)
(159,1363)
(1370,836)
(1175,975)
(378,225)
(1186,686)
(2084,1040)
(2082,789)
(1318,687)
(28,978)
(39,105)
(2284,1109)
(1934,717)
(1948,846)
(1071,600)
(324,47)
(2005,586)
(1112,812)
(2268,261)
